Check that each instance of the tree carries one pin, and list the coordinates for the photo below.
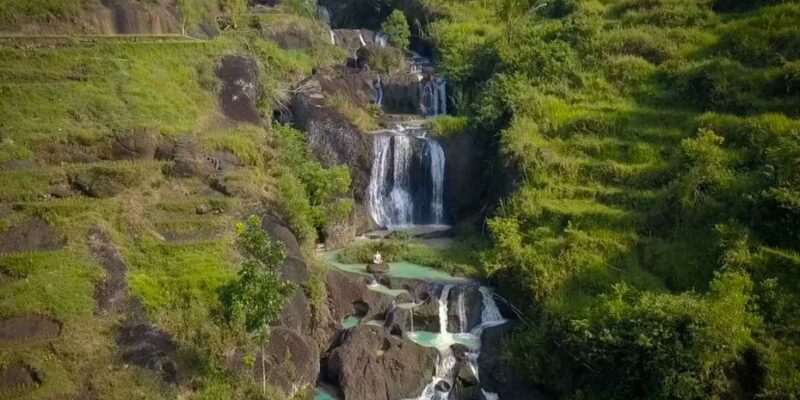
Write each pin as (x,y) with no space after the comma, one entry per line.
(255,298)
(396,29)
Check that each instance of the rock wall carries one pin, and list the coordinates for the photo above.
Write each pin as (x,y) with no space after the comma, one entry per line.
(334,140)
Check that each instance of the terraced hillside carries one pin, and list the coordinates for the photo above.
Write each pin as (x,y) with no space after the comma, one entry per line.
(654,219)
(123,174)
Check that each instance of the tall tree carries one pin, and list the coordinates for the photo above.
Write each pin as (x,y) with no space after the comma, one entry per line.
(255,298)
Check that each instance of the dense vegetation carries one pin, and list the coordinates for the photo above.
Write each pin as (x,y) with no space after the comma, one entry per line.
(654,230)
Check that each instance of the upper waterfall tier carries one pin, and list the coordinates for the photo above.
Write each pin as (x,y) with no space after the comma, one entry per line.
(407,182)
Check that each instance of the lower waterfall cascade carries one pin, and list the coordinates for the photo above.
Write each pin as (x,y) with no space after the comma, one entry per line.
(407,181)
(446,360)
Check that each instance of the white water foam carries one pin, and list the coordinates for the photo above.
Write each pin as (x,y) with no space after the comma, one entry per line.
(394,200)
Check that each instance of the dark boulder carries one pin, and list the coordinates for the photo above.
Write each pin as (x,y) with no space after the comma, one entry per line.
(401,93)
(278,231)
(333,139)
(111,293)
(28,327)
(294,270)
(370,364)
(426,316)
(34,235)
(186,156)
(18,376)
(381,268)
(147,346)
(239,76)
(348,296)
(296,313)
(442,386)
(470,299)
(136,146)
(291,361)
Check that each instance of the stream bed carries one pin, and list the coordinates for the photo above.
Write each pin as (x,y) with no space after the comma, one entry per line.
(453,324)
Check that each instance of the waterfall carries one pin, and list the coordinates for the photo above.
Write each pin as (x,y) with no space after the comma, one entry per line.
(443,309)
(490,395)
(490,314)
(324,14)
(361,38)
(446,361)
(380,39)
(407,181)
(433,96)
(333,37)
(462,313)
(436,156)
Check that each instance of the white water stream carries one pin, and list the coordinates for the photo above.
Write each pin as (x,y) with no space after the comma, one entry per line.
(407,181)
(446,360)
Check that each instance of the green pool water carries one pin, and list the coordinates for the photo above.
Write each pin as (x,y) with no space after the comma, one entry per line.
(350,322)
(323,394)
(443,341)
(400,269)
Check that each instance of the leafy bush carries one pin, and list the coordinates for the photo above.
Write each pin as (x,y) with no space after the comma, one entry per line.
(627,73)
(311,196)
(255,298)
(665,13)
(770,37)
(717,84)
(787,81)
(396,29)
(649,44)
(447,126)
(383,60)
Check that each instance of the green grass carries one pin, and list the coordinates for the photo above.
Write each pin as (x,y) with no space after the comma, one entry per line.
(460,259)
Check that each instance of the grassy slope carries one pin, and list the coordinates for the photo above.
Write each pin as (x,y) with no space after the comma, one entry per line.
(605,99)
(73,97)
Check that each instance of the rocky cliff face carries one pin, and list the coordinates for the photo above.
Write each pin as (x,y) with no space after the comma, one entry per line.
(370,364)
(120,17)
(334,140)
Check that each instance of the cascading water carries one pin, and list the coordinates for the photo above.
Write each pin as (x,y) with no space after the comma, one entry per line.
(380,39)
(433,96)
(407,181)
(333,37)
(361,38)
(446,361)
(324,14)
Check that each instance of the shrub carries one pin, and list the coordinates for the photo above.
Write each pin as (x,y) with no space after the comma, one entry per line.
(769,37)
(665,13)
(311,196)
(627,73)
(787,80)
(717,84)
(447,126)
(650,44)
(383,60)
(396,29)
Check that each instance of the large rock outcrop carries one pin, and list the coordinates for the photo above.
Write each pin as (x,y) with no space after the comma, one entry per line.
(118,17)
(239,76)
(291,361)
(370,364)
(348,296)
(334,140)
(33,235)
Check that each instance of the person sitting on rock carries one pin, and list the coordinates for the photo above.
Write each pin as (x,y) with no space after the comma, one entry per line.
(377,258)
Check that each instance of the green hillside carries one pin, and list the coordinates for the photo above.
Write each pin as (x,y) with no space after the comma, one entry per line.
(66,104)
(654,229)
